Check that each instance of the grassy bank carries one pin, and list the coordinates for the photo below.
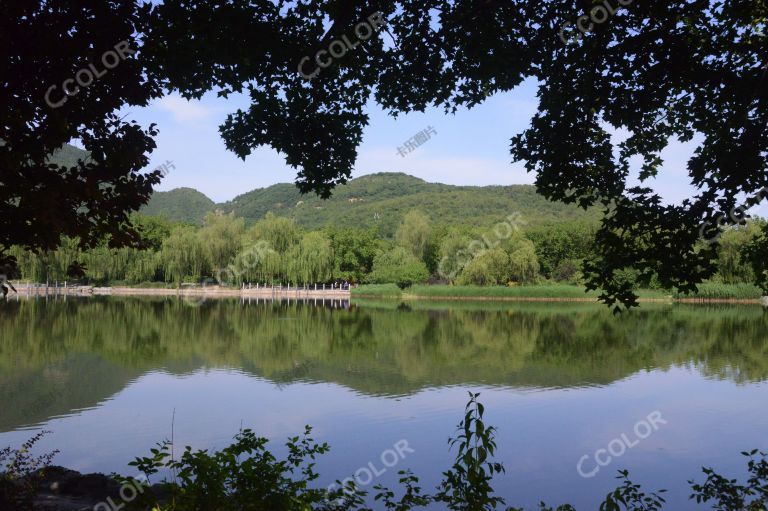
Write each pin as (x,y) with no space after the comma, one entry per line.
(725,291)
(547,291)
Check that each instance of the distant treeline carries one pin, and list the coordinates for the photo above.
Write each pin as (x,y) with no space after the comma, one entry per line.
(276,250)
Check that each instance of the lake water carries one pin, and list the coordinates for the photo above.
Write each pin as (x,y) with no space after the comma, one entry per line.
(110,376)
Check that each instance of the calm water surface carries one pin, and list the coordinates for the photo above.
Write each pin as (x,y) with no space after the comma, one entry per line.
(560,381)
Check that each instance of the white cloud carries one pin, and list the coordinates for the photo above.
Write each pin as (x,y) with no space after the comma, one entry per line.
(183,110)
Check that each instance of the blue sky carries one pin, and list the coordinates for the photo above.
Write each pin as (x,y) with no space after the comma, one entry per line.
(471,147)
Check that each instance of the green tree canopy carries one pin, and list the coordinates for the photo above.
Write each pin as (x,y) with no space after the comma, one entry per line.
(399,266)
(353,250)
(45,48)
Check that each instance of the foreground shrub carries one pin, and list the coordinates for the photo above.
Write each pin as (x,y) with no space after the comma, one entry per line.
(21,473)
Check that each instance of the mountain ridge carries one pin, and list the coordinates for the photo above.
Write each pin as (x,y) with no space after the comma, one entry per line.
(375,200)
(372,201)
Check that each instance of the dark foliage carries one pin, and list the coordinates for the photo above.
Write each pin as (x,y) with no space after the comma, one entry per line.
(659,71)
(42,44)
(21,473)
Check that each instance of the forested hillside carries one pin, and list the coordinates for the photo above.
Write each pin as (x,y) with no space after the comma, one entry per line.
(376,200)
(379,200)
(180,205)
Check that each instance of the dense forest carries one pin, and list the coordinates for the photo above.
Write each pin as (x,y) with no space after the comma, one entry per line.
(276,250)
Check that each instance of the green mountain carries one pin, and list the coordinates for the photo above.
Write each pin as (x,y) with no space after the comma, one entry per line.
(180,205)
(378,200)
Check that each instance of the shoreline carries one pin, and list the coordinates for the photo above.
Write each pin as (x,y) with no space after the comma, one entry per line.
(204,292)
(741,301)
(278,293)
(62,489)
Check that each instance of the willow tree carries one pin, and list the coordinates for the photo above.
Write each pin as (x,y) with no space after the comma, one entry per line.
(413,233)
(29,265)
(279,232)
(103,264)
(222,238)
(490,267)
(454,254)
(48,265)
(183,255)
(523,263)
(275,238)
(311,260)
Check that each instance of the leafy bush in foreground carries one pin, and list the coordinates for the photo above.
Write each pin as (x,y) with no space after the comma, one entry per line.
(20,474)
